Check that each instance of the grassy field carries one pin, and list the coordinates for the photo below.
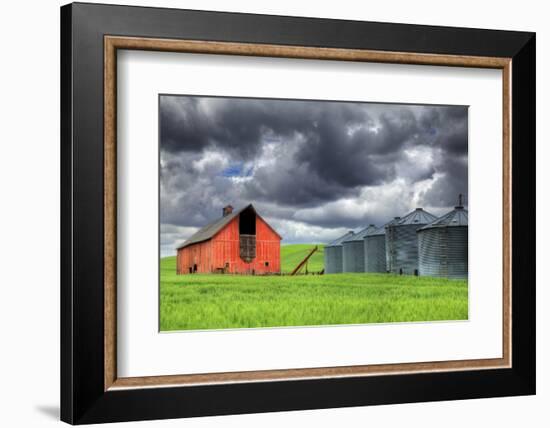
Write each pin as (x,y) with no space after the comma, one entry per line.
(196,302)
(291,255)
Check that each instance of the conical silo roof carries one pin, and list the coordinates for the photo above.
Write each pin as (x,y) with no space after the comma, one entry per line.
(418,216)
(382,229)
(362,233)
(457,217)
(338,241)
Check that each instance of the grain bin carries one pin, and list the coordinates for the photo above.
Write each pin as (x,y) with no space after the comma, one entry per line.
(333,254)
(402,242)
(353,251)
(375,248)
(443,246)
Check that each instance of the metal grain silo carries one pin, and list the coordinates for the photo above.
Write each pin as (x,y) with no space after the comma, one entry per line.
(402,243)
(389,243)
(443,246)
(353,251)
(333,254)
(375,248)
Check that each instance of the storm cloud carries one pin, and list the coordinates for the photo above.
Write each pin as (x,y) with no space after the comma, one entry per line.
(313,169)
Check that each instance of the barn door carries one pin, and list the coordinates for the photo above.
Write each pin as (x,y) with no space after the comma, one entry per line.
(247,245)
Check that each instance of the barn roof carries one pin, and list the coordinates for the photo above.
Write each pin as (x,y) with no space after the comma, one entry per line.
(211,229)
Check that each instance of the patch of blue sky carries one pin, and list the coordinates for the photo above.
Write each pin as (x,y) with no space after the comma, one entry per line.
(234,170)
(238,170)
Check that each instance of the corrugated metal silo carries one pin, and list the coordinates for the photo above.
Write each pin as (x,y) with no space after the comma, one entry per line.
(443,246)
(389,244)
(402,243)
(375,248)
(333,254)
(353,251)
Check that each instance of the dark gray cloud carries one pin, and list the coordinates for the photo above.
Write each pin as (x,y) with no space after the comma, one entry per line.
(313,167)
(452,181)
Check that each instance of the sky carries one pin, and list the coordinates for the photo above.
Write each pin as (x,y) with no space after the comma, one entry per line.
(312,169)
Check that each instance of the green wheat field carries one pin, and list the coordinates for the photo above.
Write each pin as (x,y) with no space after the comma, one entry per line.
(207,301)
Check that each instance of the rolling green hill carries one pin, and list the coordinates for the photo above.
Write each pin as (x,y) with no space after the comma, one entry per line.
(293,254)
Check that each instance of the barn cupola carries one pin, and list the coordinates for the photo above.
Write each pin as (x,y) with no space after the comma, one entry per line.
(228,209)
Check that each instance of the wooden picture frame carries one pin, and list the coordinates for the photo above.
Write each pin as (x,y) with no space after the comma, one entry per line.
(91,390)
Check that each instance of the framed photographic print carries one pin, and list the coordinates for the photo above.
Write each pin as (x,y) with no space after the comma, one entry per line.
(265,213)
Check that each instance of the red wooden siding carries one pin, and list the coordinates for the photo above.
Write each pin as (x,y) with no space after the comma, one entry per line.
(223,248)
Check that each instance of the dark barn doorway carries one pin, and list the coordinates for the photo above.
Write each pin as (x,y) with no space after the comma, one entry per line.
(247,234)
(247,222)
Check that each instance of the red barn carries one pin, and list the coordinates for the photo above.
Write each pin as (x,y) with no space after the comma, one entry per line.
(238,242)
